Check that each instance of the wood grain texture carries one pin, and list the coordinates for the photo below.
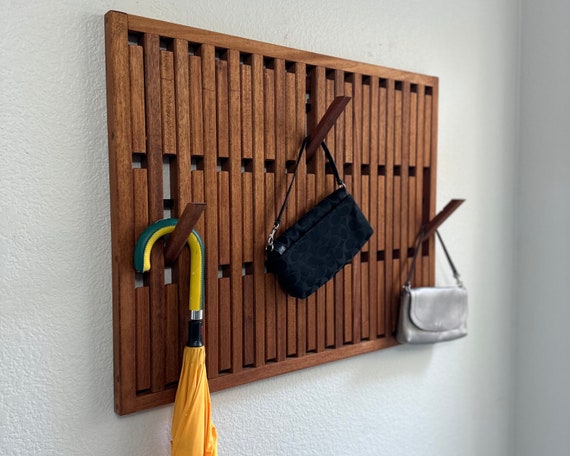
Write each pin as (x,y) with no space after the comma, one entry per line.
(285,322)
(235,214)
(137,23)
(136,78)
(122,219)
(208,66)
(225,117)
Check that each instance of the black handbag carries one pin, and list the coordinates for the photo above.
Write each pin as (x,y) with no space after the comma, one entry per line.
(314,249)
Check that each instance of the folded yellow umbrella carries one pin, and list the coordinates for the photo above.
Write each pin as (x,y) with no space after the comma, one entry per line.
(193,433)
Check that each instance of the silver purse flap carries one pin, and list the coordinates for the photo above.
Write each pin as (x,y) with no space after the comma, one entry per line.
(438,308)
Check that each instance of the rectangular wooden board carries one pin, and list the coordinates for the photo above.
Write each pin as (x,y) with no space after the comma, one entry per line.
(198,116)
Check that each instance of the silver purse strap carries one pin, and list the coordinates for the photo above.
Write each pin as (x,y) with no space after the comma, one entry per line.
(421,239)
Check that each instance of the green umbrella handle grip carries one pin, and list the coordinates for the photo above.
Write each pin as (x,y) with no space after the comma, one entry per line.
(197,257)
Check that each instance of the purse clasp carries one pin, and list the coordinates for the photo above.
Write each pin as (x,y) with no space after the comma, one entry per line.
(271,237)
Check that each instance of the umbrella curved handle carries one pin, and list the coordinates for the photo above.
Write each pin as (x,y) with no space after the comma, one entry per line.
(155,231)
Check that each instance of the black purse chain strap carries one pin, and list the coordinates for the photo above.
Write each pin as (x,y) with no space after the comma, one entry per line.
(336,174)
(421,239)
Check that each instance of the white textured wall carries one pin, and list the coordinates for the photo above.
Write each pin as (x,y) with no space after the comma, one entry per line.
(543,300)
(56,380)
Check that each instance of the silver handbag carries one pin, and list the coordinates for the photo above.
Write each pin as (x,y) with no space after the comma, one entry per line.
(432,314)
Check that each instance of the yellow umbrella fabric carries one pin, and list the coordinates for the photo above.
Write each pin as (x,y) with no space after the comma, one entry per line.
(193,433)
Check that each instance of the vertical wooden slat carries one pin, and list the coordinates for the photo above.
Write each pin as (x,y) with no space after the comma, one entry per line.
(269,112)
(142,352)
(224,328)
(412,138)
(397,207)
(274,328)
(258,206)
(247,219)
(381,329)
(211,211)
(351,311)
(397,187)
(296,309)
(155,205)
(223,219)
(181,180)
(375,203)
(172,352)
(270,306)
(236,233)
(433,166)
(140,222)
(427,272)
(323,98)
(330,304)
(283,319)
(317,100)
(419,174)
(307,327)
(195,104)
(404,198)
(318,93)
(152,70)
(404,174)
(366,132)
(167,102)
(414,226)
(428,129)
(140,200)
(246,111)
(197,187)
(246,155)
(305,190)
(347,295)
(389,206)
(136,78)
(248,321)
(364,301)
(222,108)
(380,258)
(365,292)
(357,184)
(339,157)
(291,138)
(382,223)
(270,319)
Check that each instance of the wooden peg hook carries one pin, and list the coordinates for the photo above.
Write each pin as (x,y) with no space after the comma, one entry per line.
(441,217)
(182,230)
(325,124)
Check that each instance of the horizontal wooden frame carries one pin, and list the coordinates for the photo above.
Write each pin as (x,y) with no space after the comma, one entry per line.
(198,116)
(220,40)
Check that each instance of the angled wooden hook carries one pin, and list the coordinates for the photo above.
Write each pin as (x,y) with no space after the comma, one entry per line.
(442,216)
(325,124)
(182,230)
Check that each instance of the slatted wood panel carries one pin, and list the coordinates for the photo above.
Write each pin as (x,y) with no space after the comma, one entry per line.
(199,116)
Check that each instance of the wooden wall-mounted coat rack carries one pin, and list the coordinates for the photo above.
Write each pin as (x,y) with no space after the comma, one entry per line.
(200,117)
